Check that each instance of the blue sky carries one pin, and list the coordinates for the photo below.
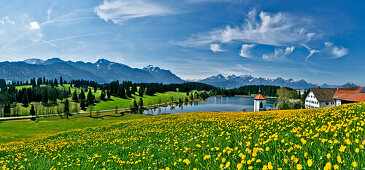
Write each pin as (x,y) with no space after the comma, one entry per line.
(319,41)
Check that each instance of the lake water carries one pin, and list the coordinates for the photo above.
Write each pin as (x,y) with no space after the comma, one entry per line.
(212,104)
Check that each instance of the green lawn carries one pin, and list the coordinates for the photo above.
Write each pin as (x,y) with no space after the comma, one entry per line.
(27,129)
(147,100)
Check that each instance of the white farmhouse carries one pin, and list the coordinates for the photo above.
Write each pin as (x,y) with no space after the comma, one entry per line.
(320,97)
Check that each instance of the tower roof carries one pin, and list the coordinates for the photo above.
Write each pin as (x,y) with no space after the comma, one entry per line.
(260,97)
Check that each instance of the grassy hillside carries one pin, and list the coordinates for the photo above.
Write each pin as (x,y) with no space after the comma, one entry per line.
(293,139)
(102,105)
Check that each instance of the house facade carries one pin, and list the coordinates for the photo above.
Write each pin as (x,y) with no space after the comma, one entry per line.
(327,97)
(320,97)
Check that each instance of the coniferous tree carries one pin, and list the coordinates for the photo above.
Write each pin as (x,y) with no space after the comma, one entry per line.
(67,108)
(140,103)
(128,92)
(7,110)
(61,81)
(82,95)
(25,99)
(44,96)
(102,96)
(90,98)
(39,81)
(75,97)
(82,104)
(2,84)
(134,89)
(55,82)
(32,110)
(121,92)
(141,91)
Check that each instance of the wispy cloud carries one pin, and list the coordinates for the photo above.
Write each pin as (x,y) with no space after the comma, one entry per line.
(279,54)
(52,42)
(118,11)
(259,28)
(6,20)
(216,48)
(311,51)
(246,50)
(267,29)
(336,51)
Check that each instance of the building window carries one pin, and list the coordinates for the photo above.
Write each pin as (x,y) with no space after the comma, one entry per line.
(261,105)
(327,103)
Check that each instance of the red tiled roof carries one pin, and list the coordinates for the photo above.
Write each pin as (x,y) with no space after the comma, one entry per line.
(260,97)
(350,95)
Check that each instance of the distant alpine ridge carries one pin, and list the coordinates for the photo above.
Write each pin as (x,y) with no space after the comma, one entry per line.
(233,81)
(102,71)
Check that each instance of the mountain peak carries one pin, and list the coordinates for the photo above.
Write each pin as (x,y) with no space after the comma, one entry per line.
(34,61)
(151,68)
(103,61)
(53,60)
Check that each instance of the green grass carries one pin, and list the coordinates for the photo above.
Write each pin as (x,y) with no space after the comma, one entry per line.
(147,100)
(26,129)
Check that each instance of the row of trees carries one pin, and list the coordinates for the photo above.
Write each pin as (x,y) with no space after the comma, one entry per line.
(266,90)
(40,81)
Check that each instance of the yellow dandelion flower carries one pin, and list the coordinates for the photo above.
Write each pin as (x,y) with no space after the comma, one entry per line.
(299,166)
(357,150)
(309,162)
(228,164)
(354,164)
(239,166)
(342,148)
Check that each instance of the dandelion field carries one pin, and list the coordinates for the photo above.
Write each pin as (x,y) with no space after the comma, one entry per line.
(327,138)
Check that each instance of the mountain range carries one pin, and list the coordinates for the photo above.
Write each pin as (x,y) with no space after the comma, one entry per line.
(101,71)
(104,71)
(233,81)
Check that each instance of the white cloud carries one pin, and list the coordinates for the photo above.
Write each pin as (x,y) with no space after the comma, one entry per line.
(34,25)
(215,48)
(6,20)
(311,51)
(339,52)
(121,10)
(246,50)
(279,54)
(336,51)
(259,28)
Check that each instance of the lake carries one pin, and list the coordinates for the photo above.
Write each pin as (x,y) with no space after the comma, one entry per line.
(212,104)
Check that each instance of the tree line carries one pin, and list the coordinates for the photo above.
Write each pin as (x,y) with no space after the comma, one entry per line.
(266,90)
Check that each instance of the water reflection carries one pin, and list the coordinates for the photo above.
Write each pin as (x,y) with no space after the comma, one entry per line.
(210,105)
